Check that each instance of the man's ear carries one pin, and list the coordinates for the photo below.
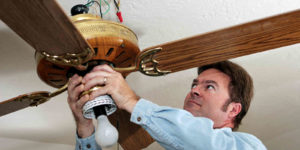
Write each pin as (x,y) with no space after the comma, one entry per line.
(234,109)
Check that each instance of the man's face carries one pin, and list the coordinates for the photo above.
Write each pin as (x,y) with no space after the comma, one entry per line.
(208,95)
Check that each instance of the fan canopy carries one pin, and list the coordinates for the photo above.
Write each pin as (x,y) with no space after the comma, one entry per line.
(113,43)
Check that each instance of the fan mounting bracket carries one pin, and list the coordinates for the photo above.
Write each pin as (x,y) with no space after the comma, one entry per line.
(70,59)
(148,65)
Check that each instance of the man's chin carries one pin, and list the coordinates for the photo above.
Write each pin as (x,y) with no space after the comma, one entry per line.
(193,110)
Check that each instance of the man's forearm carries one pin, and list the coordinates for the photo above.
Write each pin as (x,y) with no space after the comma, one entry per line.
(129,106)
(84,131)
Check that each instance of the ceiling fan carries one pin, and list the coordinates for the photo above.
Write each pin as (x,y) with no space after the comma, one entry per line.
(60,47)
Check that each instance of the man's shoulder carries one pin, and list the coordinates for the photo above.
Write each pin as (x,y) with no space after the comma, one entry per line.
(251,139)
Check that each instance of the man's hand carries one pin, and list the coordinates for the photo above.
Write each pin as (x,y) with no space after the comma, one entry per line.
(84,126)
(113,84)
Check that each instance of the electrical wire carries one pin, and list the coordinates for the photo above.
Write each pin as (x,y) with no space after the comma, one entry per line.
(100,6)
(117,5)
(108,9)
(91,2)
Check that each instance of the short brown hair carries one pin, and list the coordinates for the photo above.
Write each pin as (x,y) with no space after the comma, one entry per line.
(240,86)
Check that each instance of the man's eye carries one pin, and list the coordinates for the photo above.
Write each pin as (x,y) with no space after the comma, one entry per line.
(210,87)
(194,85)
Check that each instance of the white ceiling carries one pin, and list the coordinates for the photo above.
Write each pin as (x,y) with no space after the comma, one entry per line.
(273,116)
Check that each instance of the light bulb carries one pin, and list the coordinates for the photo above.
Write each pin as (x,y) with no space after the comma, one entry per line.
(106,134)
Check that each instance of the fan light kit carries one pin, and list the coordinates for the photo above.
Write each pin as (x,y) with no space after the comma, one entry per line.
(99,108)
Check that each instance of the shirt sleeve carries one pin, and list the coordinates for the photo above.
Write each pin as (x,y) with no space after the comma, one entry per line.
(88,143)
(178,129)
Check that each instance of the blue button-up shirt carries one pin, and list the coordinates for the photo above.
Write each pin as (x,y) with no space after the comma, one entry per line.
(177,129)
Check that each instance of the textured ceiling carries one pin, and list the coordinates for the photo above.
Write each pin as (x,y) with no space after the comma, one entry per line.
(273,116)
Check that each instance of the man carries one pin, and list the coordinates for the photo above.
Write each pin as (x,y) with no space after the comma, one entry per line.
(219,98)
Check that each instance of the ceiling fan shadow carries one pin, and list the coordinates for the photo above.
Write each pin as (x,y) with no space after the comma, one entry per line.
(16,55)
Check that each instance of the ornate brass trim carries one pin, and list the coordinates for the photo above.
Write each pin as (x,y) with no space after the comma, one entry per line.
(148,65)
(38,98)
(70,59)
(127,69)
(35,98)
(60,90)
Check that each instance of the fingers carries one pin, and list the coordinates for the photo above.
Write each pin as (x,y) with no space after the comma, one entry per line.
(95,74)
(75,87)
(82,101)
(100,75)
(102,70)
(112,83)
(106,68)
(97,81)
(74,81)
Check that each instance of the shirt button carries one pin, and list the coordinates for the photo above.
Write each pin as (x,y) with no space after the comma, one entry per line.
(88,145)
(139,119)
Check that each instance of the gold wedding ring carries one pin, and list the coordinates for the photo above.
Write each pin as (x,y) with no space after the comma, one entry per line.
(104,80)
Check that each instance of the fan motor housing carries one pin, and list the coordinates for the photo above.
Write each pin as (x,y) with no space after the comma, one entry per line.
(112,42)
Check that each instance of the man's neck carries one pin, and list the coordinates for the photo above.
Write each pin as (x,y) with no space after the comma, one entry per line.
(226,124)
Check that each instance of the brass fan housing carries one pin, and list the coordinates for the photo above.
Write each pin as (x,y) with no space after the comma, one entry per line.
(112,42)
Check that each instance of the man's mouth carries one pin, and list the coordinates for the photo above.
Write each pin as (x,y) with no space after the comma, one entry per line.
(194,102)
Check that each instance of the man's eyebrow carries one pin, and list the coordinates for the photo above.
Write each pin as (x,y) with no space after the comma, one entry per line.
(195,81)
(206,82)
(210,82)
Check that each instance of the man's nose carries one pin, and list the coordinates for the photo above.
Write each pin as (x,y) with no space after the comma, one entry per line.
(195,91)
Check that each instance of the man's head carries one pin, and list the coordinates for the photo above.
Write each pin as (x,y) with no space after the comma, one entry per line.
(221,92)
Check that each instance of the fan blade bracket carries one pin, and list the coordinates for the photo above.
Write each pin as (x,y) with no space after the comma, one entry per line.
(38,98)
(34,99)
(148,65)
(29,99)
(70,59)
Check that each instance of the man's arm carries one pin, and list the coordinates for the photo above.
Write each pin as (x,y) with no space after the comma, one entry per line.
(84,126)
(172,128)
(85,138)
(177,129)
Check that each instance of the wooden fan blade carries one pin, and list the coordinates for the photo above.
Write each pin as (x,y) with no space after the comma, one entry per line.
(131,136)
(23,101)
(43,25)
(245,39)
